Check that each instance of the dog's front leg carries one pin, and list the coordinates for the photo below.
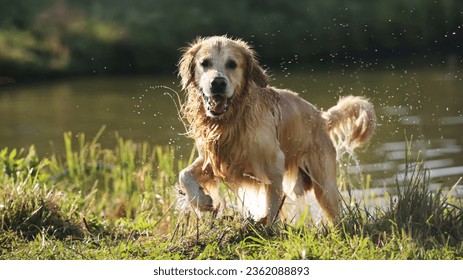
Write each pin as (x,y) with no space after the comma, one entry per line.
(274,191)
(190,180)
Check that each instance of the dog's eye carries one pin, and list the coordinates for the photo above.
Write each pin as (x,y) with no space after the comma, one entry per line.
(206,63)
(231,64)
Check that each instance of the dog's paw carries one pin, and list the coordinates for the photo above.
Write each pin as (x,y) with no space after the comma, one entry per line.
(202,202)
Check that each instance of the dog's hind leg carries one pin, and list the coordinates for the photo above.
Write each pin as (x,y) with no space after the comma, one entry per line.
(274,198)
(193,180)
(322,167)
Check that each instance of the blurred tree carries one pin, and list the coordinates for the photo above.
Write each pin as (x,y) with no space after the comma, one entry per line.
(51,37)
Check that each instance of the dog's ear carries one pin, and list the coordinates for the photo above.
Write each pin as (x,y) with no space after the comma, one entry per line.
(258,74)
(254,71)
(186,65)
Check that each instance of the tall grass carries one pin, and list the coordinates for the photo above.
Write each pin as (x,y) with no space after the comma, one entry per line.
(28,206)
(120,203)
(130,180)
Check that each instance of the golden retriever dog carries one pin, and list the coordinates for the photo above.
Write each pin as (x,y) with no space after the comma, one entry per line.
(269,146)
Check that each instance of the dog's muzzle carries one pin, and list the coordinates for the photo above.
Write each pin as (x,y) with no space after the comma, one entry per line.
(217,102)
(218,85)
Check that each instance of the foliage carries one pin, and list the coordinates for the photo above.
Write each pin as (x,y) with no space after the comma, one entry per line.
(55,37)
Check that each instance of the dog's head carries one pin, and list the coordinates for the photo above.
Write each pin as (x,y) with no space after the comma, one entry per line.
(220,69)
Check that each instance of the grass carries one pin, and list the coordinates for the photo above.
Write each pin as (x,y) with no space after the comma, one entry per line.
(121,203)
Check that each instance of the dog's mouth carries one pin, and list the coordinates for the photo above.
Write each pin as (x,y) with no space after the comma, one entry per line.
(216,104)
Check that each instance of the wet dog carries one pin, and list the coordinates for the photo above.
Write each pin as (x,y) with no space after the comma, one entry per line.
(268,145)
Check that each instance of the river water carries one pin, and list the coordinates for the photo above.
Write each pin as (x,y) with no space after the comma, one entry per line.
(423,106)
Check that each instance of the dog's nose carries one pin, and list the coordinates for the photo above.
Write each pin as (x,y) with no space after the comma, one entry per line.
(218,85)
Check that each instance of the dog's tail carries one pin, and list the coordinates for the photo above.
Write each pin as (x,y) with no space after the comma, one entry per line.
(351,122)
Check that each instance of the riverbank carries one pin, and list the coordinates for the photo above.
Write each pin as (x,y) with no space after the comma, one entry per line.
(121,203)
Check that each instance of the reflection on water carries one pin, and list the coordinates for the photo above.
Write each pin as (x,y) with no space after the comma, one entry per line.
(419,105)
(134,107)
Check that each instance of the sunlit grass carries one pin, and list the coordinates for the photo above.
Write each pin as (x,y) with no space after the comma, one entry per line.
(94,202)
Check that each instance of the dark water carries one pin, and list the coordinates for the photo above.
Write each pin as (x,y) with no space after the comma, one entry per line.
(422,105)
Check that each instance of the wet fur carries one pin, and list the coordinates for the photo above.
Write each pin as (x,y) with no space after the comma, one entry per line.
(271,147)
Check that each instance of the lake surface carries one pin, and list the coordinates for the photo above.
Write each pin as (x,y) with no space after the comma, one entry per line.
(423,105)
